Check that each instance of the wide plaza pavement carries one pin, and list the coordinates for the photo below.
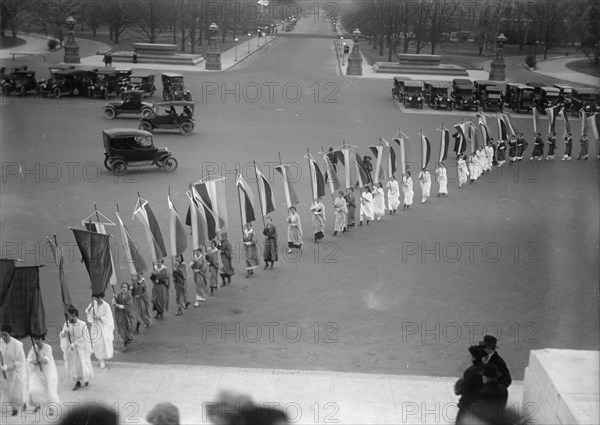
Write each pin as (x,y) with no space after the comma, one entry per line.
(383,313)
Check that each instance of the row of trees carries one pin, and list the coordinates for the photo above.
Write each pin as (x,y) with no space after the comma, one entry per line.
(186,21)
(398,24)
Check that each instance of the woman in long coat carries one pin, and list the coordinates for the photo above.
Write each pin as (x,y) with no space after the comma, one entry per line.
(341,210)
(471,382)
(214,265)
(198,265)
(393,195)
(43,380)
(366,205)
(124,317)
(141,302)
(378,201)
(407,188)
(180,282)
(318,218)
(250,251)
(270,254)
(160,289)
(226,265)
(294,230)
(351,205)
(463,171)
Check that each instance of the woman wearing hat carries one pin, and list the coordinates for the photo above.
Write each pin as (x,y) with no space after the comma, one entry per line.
(226,265)
(294,230)
(318,218)
(470,384)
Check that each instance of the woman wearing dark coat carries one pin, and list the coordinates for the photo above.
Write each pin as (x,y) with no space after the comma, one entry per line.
(470,384)
(226,264)
(270,254)
(124,315)
(160,289)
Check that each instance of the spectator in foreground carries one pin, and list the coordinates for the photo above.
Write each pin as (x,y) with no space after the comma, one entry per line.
(90,414)
(164,413)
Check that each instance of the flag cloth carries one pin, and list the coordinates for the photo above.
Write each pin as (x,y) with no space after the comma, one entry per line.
(483,127)
(508,124)
(246,200)
(346,157)
(404,146)
(265,193)
(363,177)
(475,138)
(317,182)
(536,119)
(385,161)
(155,240)
(566,121)
(133,258)
(208,215)
(23,307)
(196,219)
(593,123)
(100,227)
(551,113)
(444,144)
(7,267)
(330,174)
(212,195)
(176,231)
(464,129)
(425,151)
(502,132)
(95,251)
(290,194)
(64,288)
(584,129)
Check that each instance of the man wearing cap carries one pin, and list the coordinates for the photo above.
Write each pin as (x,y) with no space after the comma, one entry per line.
(489,345)
(493,393)
(13,378)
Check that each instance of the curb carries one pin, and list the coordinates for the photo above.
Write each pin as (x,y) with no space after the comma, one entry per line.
(248,54)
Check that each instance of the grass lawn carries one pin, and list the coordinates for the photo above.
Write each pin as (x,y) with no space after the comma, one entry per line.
(584,66)
(8,42)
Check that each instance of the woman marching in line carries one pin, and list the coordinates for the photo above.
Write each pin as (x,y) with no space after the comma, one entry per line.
(393,195)
(463,171)
(213,258)
(294,230)
(366,205)
(425,180)
(501,152)
(512,149)
(141,302)
(250,252)
(407,188)
(351,205)
(270,254)
(318,218)
(160,289)
(124,317)
(179,280)
(226,265)
(341,210)
(473,167)
(378,202)
(442,179)
(198,265)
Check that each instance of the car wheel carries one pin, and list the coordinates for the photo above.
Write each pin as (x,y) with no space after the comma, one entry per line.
(146,112)
(118,167)
(169,164)
(145,126)
(188,97)
(186,128)
(171,97)
(109,113)
(76,92)
(56,92)
(107,163)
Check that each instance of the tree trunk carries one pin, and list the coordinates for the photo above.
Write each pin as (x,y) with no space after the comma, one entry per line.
(381,46)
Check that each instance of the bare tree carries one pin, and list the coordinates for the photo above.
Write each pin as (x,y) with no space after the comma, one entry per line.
(154,19)
(439,14)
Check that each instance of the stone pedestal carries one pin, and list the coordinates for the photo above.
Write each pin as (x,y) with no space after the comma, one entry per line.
(213,53)
(71,49)
(497,72)
(354,61)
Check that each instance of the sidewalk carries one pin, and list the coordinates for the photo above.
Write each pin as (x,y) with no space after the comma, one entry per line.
(307,397)
(556,68)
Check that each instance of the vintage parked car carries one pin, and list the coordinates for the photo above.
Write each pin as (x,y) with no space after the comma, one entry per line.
(21,81)
(438,94)
(565,95)
(463,94)
(480,86)
(124,147)
(586,99)
(140,80)
(537,93)
(549,96)
(491,99)
(170,116)
(398,88)
(131,102)
(521,97)
(106,82)
(66,82)
(174,88)
(413,94)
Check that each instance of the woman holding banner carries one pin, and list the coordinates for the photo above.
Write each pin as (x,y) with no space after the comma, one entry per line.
(270,254)
(250,252)
(124,317)
(294,230)
(318,218)
(160,289)
(341,210)
(141,302)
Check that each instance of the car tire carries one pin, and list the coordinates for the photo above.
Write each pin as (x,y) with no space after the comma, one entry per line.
(118,167)
(56,92)
(169,164)
(107,163)
(188,97)
(171,97)
(186,128)
(146,112)
(145,126)
(109,113)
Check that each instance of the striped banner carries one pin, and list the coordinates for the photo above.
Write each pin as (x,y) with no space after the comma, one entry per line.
(134,260)
(502,132)
(290,194)
(593,124)
(508,124)
(551,113)
(566,120)
(317,181)
(425,151)
(346,157)
(330,175)
(144,213)
(265,193)
(246,201)
(444,143)
(176,231)
(212,196)
(536,119)
(404,147)
(99,226)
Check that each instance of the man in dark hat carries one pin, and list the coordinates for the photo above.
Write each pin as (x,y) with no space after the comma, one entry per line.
(489,344)
(493,393)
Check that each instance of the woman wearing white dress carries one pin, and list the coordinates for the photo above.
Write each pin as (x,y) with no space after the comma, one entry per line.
(318,218)
(407,188)
(366,205)
(473,167)
(378,202)
(442,179)
(43,376)
(425,180)
(294,230)
(341,211)
(463,171)
(393,195)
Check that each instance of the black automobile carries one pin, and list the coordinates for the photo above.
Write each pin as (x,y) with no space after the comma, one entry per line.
(537,94)
(124,147)
(521,97)
(413,94)
(550,96)
(131,102)
(21,81)
(170,116)
(106,82)
(66,82)
(586,99)
(174,88)
(479,86)
(398,88)
(140,80)
(437,94)
(492,99)
(565,95)
(463,94)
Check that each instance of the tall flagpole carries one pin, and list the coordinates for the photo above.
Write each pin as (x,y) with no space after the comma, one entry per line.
(237,174)
(262,211)
(312,188)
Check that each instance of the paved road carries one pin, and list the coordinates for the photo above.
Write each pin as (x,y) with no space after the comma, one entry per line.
(515,255)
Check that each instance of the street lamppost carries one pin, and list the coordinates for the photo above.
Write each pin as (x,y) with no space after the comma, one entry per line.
(236,44)
(71,46)
(213,54)
(340,41)
(266,28)
(498,64)
(258,39)
(249,35)
(272,31)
